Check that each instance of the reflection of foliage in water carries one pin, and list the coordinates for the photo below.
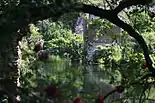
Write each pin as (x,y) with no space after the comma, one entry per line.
(120,64)
(125,61)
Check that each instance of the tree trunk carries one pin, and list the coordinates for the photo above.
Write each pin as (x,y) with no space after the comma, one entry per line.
(9,66)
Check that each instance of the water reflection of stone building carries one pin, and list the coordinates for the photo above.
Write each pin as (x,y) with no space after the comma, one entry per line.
(91,78)
(92,41)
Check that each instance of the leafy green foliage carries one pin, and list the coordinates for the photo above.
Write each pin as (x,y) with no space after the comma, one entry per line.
(119,64)
(63,41)
(122,62)
(36,74)
(142,21)
(100,26)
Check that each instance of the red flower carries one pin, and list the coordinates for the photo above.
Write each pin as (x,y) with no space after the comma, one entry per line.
(52,91)
(119,89)
(145,66)
(99,99)
(42,55)
(153,14)
(78,100)
(38,46)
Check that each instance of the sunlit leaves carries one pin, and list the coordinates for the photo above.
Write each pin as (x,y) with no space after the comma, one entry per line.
(142,22)
(100,27)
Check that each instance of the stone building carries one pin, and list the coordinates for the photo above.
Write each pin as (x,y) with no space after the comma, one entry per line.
(91,41)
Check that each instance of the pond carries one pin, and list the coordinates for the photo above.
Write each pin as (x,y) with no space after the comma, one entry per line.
(77,79)
(89,80)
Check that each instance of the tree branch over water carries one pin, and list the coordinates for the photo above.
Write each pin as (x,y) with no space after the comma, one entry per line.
(23,15)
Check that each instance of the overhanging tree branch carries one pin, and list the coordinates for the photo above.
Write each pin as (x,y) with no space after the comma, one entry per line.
(16,18)
(127,3)
(33,14)
(112,17)
(138,38)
